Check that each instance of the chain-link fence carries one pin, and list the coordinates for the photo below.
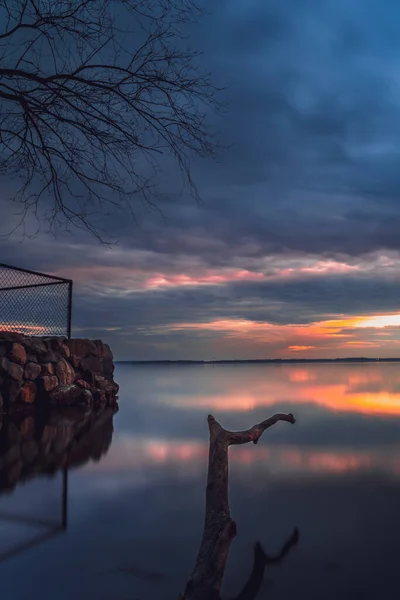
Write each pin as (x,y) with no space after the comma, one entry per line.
(34,303)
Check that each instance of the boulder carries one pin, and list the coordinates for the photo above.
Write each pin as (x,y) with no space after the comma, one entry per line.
(104,350)
(50,357)
(91,363)
(87,398)
(82,347)
(110,387)
(11,369)
(34,346)
(47,369)
(11,336)
(107,366)
(32,371)
(17,354)
(64,351)
(54,343)
(49,382)
(65,372)
(66,395)
(28,392)
(74,361)
(83,384)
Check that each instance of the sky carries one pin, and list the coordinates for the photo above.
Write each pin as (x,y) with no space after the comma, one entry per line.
(294,250)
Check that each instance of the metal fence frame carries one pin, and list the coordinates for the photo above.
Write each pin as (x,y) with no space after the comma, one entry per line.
(48,529)
(52,280)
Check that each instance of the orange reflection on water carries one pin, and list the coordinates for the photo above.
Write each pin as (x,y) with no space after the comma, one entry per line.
(361,389)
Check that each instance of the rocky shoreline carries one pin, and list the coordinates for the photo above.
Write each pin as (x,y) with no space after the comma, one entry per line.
(55,371)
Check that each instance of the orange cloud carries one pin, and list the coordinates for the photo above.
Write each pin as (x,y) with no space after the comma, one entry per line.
(300,348)
(329,335)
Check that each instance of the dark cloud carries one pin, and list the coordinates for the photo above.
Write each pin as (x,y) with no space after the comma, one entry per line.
(310,174)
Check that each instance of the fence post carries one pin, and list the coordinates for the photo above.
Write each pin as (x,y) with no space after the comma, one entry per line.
(69,322)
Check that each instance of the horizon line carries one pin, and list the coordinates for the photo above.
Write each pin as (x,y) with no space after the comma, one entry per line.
(262,360)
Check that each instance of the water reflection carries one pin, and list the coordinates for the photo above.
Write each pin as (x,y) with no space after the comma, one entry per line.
(359,388)
(139,511)
(43,444)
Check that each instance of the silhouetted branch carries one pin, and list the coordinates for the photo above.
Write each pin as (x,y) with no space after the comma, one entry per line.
(219,528)
(92,92)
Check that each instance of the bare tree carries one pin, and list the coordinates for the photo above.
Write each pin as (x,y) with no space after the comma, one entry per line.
(92,94)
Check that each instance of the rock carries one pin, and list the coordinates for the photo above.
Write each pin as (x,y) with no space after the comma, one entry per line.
(82,347)
(87,398)
(110,387)
(74,361)
(10,391)
(28,392)
(107,366)
(3,350)
(32,371)
(11,369)
(78,376)
(104,350)
(65,372)
(67,395)
(93,364)
(50,357)
(47,369)
(31,358)
(64,351)
(34,346)
(11,336)
(83,384)
(88,376)
(54,343)
(17,354)
(1,402)
(49,382)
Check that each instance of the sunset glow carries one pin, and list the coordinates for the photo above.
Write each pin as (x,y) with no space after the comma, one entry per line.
(357,393)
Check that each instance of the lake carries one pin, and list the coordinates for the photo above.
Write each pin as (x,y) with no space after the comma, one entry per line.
(134,511)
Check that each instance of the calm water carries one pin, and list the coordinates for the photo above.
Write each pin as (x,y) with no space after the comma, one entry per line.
(135,515)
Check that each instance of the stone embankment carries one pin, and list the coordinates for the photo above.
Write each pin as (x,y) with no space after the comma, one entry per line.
(55,371)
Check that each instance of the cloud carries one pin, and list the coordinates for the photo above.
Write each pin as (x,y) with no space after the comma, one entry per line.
(300,216)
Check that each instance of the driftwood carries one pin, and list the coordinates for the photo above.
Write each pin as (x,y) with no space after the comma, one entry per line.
(219,528)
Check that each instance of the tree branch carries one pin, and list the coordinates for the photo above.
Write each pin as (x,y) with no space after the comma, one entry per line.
(84,110)
(219,528)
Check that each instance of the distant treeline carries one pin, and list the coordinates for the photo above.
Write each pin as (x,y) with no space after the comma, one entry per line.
(260,361)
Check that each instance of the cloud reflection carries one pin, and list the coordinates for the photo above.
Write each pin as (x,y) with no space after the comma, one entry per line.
(361,390)
(187,458)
